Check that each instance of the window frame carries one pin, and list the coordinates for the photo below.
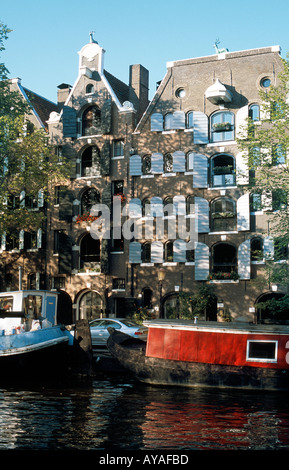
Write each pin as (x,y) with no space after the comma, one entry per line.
(225,135)
(260,359)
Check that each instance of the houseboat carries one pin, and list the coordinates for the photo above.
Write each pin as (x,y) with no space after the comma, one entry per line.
(207,354)
(30,339)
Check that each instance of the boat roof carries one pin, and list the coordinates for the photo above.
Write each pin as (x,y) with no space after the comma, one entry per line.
(218,327)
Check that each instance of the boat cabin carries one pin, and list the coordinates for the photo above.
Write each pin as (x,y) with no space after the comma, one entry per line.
(234,344)
(25,310)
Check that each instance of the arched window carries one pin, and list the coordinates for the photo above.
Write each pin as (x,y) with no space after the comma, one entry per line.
(89,252)
(89,89)
(146,207)
(147,297)
(190,203)
(90,197)
(223,170)
(224,258)
(222,126)
(91,121)
(146,252)
(90,306)
(254,112)
(168,163)
(90,162)
(169,251)
(190,120)
(146,165)
(223,214)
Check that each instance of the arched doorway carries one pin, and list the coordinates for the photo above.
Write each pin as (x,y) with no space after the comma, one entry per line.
(89,305)
(270,308)
(64,308)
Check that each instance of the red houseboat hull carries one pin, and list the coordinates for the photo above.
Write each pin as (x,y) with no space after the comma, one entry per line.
(208,355)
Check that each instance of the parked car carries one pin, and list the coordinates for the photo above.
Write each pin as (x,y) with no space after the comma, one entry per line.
(99,333)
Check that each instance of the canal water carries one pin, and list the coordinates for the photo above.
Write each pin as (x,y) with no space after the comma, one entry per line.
(114,413)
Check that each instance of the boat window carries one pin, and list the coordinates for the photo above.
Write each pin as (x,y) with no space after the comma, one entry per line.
(6,303)
(262,351)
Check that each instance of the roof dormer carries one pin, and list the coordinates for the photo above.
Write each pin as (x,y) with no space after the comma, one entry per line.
(218,93)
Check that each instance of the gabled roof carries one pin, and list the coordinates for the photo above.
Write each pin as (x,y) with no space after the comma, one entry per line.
(42,106)
(120,88)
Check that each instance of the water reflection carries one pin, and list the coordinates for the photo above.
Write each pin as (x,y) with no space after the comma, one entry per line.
(116,413)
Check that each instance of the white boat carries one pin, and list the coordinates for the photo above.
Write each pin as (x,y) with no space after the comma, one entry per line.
(30,338)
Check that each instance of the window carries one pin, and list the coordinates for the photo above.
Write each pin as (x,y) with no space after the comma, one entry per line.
(146,252)
(91,121)
(224,258)
(279,199)
(90,197)
(280,249)
(222,126)
(90,306)
(254,112)
(118,284)
(262,351)
(168,163)
(30,240)
(6,303)
(146,165)
(223,171)
(190,120)
(89,252)
(257,249)
(89,89)
(180,93)
(146,207)
(118,148)
(169,251)
(224,217)
(265,82)
(12,241)
(90,163)
(278,155)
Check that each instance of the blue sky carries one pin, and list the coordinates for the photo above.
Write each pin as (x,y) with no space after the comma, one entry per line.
(42,49)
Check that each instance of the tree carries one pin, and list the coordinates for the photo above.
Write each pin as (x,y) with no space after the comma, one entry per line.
(29,166)
(265,140)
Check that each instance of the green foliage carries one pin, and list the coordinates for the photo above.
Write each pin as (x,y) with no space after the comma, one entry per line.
(27,162)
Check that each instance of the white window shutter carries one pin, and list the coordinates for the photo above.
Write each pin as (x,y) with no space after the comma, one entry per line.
(179,203)
(268,248)
(200,128)
(179,120)
(3,241)
(202,215)
(157,252)
(202,261)
(200,171)
(21,240)
(135,253)
(22,199)
(157,160)
(41,198)
(180,251)
(241,122)
(39,238)
(179,162)
(243,213)
(157,207)
(242,170)
(135,210)
(157,122)
(135,165)
(244,260)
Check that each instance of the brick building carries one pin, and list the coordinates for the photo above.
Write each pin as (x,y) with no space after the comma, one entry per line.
(172,169)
